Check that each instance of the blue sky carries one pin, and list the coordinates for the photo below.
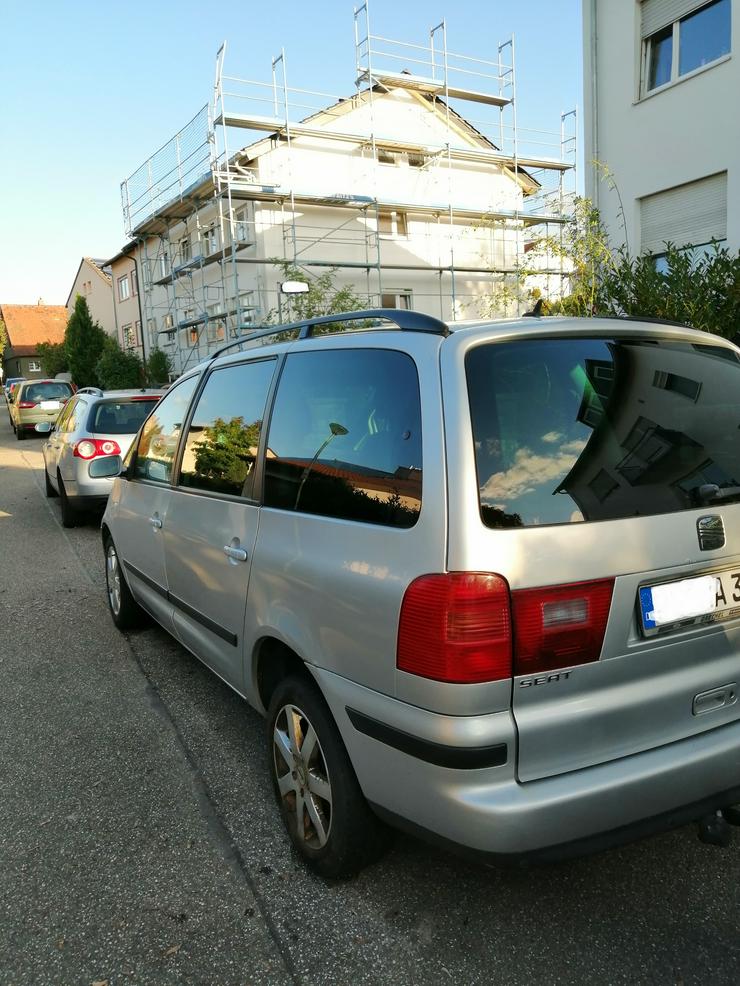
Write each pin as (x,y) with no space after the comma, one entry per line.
(87,92)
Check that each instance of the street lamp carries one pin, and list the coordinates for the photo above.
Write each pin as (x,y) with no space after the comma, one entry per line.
(335,429)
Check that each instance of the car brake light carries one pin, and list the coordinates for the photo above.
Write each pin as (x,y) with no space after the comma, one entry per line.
(90,448)
(559,626)
(27,404)
(467,627)
(456,627)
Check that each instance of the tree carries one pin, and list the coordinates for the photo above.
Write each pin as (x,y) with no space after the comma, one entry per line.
(83,344)
(116,369)
(158,368)
(322,298)
(53,356)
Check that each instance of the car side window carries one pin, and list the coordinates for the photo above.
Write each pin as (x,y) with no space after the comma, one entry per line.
(345,437)
(224,434)
(157,445)
(63,419)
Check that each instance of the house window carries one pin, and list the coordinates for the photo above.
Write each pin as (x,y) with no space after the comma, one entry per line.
(242,225)
(386,157)
(124,288)
(397,299)
(168,322)
(164,265)
(697,35)
(129,336)
(134,282)
(216,323)
(392,224)
(185,251)
(210,240)
(34,366)
(151,327)
(689,216)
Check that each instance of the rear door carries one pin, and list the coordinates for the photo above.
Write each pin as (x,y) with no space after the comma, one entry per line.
(608,480)
(139,503)
(213,515)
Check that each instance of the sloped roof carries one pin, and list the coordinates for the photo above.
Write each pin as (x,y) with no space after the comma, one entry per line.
(28,325)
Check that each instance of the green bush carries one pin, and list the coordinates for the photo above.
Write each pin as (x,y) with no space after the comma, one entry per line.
(53,356)
(117,369)
(158,368)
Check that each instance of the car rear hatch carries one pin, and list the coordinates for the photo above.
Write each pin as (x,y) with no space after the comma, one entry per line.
(608,485)
(118,420)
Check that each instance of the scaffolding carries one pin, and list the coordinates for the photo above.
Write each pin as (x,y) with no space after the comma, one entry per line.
(213,223)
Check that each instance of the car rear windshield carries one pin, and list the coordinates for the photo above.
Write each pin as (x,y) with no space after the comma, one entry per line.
(54,391)
(570,430)
(119,417)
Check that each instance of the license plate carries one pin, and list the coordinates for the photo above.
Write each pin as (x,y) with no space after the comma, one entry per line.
(704,599)
(50,405)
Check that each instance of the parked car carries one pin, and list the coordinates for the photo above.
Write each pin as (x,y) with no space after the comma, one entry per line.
(8,384)
(35,401)
(483,579)
(94,424)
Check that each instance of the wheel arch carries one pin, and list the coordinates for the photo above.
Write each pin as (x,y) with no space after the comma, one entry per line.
(273,660)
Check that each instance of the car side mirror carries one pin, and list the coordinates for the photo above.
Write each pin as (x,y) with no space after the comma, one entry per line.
(44,427)
(107,467)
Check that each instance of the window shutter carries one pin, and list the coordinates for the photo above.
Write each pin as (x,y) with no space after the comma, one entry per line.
(688,214)
(659,13)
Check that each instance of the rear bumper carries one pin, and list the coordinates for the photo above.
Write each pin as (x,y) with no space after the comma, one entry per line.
(487,811)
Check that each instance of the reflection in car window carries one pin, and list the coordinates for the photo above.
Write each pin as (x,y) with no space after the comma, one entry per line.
(569,430)
(224,435)
(119,417)
(157,444)
(345,437)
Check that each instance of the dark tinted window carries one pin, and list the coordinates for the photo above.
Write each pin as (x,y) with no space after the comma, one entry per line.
(345,437)
(52,391)
(155,451)
(224,436)
(593,429)
(704,36)
(119,417)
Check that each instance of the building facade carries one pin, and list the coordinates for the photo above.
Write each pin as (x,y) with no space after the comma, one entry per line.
(26,326)
(93,282)
(662,132)
(392,190)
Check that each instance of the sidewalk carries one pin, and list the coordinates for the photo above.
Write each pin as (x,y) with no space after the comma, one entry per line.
(113,866)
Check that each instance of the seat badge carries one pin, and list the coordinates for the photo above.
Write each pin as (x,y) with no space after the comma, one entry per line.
(711,531)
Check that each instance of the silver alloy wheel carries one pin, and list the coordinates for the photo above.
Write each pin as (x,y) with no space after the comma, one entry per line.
(113,579)
(302,776)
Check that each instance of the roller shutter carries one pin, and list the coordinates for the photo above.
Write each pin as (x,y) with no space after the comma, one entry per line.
(659,13)
(688,214)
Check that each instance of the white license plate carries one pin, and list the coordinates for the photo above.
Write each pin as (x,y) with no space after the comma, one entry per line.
(50,405)
(699,600)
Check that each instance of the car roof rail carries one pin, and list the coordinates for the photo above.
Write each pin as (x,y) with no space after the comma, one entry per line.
(647,318)
(91,390)
(403,319)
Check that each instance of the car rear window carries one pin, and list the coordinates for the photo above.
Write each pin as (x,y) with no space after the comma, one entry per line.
(572,430)
(53,391)
(119,417)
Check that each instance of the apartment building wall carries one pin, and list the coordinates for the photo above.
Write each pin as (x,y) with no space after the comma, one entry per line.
(665,127)
(94,284)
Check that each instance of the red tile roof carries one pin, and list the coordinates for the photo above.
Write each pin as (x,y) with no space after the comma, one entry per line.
(28,325)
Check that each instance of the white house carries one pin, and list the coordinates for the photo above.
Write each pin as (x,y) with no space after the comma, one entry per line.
(661,80)
(93,282)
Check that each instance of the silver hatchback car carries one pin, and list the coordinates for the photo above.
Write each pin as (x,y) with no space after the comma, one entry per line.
(93,424)
(482,579)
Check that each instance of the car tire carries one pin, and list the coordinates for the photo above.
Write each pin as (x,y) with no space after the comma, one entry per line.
(70,517)
(124,610)
(48,488)
(326,815)
(20,433)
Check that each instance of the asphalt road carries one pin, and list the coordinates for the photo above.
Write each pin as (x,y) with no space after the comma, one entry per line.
(139,842)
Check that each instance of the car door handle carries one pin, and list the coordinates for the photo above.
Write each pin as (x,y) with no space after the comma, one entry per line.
(155,522)
(236,554)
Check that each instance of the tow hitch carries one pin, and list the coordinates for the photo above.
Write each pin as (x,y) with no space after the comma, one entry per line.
(714,829)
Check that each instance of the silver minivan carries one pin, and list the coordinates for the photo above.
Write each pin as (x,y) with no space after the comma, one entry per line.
(483,579)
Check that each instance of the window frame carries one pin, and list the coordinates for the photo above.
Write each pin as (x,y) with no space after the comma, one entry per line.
(34,366)
(124,288)
(258,486)
(133,454)
(676,76)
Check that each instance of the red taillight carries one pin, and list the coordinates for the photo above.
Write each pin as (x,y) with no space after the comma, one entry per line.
(456,627)
(90,448)
(27,404)
(559,626)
